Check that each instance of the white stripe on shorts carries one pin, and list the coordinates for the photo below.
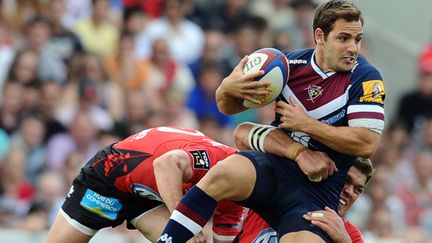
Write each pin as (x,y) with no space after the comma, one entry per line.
(77,225)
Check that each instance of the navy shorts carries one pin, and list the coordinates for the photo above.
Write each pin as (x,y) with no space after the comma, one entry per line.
(96,203)
(283,193)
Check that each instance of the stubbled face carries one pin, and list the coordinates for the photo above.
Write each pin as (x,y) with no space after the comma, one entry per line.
(354,186)
(340,50)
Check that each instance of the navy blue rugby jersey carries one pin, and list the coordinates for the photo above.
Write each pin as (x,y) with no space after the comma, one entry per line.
(354,98)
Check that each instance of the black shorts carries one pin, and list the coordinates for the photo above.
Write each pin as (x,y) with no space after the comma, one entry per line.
(94,203)
(282,193)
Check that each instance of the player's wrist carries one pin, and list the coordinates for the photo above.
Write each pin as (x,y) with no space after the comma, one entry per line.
(294,150)
(343,239)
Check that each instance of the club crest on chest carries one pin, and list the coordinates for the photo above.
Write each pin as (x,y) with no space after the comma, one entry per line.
(314,91)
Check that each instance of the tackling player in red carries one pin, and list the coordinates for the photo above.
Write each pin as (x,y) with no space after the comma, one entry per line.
(256,230)
(132,179)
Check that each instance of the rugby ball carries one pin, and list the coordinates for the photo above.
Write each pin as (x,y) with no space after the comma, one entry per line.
(276,71)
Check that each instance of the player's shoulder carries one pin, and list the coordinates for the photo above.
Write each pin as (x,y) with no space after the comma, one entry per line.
(299,57)
(364,71)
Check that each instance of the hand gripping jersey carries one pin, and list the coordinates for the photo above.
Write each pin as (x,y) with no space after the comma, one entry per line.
(130,167)
(256,230)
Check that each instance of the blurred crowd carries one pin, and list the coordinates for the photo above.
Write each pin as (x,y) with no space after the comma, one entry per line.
(77,75)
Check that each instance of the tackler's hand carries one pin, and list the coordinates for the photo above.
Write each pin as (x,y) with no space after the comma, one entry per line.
(329,221)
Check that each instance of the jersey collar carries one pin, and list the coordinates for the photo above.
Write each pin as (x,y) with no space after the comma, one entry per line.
(318,70)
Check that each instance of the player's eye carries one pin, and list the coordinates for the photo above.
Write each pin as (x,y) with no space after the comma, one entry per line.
(342,38)
(358,191)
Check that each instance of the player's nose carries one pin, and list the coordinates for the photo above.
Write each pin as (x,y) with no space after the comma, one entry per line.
(348,189)
(353,47)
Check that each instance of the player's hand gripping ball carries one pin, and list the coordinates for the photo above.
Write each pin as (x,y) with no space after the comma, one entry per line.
(276,71)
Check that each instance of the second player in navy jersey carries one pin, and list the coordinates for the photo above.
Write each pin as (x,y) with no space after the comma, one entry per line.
(332,110)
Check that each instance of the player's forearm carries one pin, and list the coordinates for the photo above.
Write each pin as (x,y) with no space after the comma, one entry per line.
(360,142)
(169,178)
(228,104)
(276,141)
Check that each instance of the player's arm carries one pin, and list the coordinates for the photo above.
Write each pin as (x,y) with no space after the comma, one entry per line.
(329,221)
(355,141)
(237,87)
(265,138)
(171,170)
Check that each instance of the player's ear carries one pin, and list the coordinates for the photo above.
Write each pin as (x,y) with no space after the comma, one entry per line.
(319,36)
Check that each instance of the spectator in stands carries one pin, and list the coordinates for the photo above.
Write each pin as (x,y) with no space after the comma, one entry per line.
(76,11)
(16,192)
(300,28)
(24,70)
(7,50)
(38,33)
(167,73)
(109,95)
(88,102)
(226,16)
(182,33)
(19,12)
(29,139)
(73,163)
(82,136)
(124,68)
(63,41)
(202,100)
(416,193)
(135,22)
(50,93)
(277,12)
(416,105)
(50,193)
(176,111)
(97,34)
(12,106)
(133,121)
(380,227)
(51,190)
(214,47)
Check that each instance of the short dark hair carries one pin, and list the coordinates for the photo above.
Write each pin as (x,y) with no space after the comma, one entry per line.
(364,166)
(327,13)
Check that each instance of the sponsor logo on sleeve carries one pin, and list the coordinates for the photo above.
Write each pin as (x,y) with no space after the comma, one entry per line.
(107,207)
(200,159)
(373,91)
(145,192)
